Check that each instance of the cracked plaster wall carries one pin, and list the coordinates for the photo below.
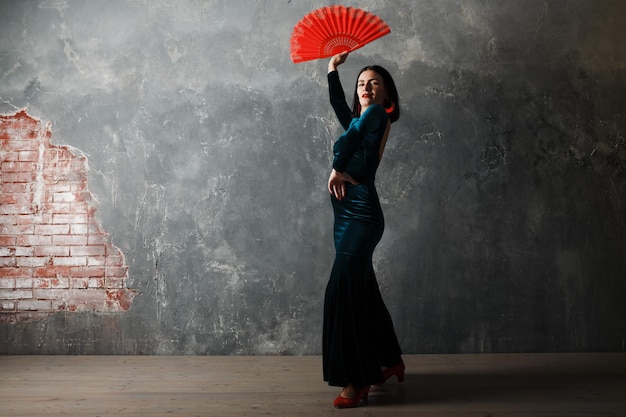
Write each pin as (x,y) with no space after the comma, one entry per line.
(503,183)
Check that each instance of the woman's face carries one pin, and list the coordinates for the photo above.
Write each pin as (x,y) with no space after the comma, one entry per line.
(370,89)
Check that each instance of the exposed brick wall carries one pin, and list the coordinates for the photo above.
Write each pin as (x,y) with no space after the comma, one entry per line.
(54,255)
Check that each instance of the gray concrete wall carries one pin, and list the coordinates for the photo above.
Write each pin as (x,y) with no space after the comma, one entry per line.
(503,184)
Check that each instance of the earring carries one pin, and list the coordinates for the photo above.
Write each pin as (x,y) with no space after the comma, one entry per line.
(389,106)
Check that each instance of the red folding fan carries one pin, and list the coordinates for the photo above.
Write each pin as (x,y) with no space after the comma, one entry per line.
(333,29)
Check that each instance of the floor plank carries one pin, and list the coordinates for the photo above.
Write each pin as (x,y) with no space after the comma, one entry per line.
(236,386)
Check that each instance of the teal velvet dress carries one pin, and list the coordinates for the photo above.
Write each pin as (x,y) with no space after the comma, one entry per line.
(358,334)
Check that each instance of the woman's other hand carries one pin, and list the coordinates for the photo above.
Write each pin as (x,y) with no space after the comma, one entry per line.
(337,60)
(337,184)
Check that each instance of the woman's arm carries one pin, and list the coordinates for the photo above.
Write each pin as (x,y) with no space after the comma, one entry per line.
(335,90)
(337,60)
(345,146)
(337,184)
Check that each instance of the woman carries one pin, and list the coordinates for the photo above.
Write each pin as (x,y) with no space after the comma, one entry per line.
(360,347)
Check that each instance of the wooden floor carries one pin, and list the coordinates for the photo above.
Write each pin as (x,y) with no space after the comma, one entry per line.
(436,386)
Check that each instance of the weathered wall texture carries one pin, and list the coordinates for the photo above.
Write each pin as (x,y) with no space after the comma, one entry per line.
(54,255)
(503,184)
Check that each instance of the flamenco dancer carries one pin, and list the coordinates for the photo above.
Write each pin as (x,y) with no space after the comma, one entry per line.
(360,347)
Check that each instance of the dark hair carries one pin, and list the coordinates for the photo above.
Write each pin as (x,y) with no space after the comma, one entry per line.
(390,87)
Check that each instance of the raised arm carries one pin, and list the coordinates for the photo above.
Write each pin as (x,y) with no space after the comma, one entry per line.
(336,93)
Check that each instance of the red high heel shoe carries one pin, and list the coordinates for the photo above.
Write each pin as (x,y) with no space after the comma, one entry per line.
(360,398)
(397,370)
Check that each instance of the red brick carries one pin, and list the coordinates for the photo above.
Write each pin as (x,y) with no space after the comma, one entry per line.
(55,167)
(53,282)
(80,229)
(71,295)
(59,187)
(16,294)
(30,262)
(12,187)
(52,153)
(52,229)
(27,156)
(19,177)
(116,272)
(79,165)
(79,207)
(113,251)
(24,250)
(51,271)
(65,176)
(13,166)
(96,283)
(70,261)
(7,283)
(64,197)
(17,229)
(96,240)
(70,240)
(64,154)
(96,261)
(79,186)
(30,219)
(18,145)
(112,260)
(34,305)
(50,239)
(120,299)
(11,273)
(89,272)
(9,155)
(81,306)
(52,251)
(7,261)
(70,272)
(58,208)
(7,240)
(33,133)
(24,198)
(8,199)
(76,218)
(33,240)
(41,283)
(21,283)
(114,283)
(88,250)
(15,209)
(7,305)
(58,305)
(82,283)
(83,195)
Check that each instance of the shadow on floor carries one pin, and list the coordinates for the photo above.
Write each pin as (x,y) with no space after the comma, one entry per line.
(498,388)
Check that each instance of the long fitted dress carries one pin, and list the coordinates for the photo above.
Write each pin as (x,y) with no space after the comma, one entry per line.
(358,334)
